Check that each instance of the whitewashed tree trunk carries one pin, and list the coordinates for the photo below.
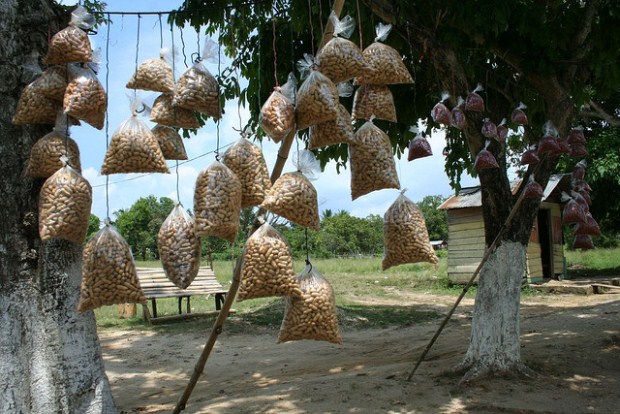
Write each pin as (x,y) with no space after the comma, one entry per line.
(495,336)
(50,358)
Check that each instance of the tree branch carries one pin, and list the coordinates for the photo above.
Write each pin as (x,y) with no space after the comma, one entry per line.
(600,113)
(579,45)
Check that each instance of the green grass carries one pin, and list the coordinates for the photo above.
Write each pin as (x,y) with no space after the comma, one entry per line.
(597,262)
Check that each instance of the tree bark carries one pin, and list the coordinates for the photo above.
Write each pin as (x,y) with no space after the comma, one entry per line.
(495,346)
(50,358)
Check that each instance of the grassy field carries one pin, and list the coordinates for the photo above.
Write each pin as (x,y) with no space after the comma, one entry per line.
(355,281)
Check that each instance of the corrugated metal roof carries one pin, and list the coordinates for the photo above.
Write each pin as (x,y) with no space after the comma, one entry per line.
(472,196)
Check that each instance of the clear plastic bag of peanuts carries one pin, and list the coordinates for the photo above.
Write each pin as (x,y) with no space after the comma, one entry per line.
(109,274)
(405,235)
(337,131)
(85,97)
(313,315)
(64,206)
(179,247)
(46,153)
(217,202)
(340,59)
(385,65)
(293,196)
(372,162)
(134,148)
(170,142)
(52,83)
(374,100)
(154,74)
(197,89)
(164,113)
(71,44)
(246,160)
(34,108)
(267,266)
(277,115)
(317,97)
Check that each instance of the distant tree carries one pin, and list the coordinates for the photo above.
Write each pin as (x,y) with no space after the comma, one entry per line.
(140,224)
(343,234)
(436,220)
(93,225)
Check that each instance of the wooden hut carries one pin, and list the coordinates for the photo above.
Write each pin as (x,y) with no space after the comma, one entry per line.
(545,253)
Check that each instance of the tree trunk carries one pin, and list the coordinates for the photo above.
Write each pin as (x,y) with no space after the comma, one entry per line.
(50,358)
(495,338)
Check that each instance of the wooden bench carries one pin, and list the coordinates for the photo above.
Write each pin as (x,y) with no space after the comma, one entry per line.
(156,285)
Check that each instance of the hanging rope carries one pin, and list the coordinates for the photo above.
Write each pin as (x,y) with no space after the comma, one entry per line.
(275,52)
(161,32)
(183,48)
(219,101)
(359,23)
(135,91)
(311,27)
(107,113)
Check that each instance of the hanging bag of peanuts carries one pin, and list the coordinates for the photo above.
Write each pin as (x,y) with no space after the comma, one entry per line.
(267,266)
(247,162)
(179,247)
(217,202)
(385,65)
(46,153)
(64,206)
(405,235)
(108,271)
(313,315)
(85,97)
(317,98)
(293,196)
(372,162)
(337,131)
(52,83)
(374,100)
(154,74)
(277,115)
(197,89)
(34,108)
(71,44)
(164,113)
(170,142)
(133,148)
(340,59)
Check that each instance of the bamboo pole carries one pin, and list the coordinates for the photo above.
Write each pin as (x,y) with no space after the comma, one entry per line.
(218,326)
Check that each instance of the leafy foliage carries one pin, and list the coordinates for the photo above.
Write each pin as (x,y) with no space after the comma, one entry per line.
(93,225)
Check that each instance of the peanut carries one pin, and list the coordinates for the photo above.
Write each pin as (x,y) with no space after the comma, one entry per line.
(85,98)
(340,60)
(247,162)
(385,66)
(217,202)
(313,315)
(374,100)
(153,75)
(179,248)
(198,90)
(34,108)
(170,142)
(372,162)
(64,206)
(133,149)
(108,272)
(164,113)
(294,197)
(317,100)
(52,83)
(337,131)
(45,155)
(69,45)
(267,267)
(405,235)
(277,116)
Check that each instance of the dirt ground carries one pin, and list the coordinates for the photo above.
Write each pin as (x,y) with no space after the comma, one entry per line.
(571,341)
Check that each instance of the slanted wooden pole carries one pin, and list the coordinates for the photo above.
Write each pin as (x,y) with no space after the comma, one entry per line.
(218,326)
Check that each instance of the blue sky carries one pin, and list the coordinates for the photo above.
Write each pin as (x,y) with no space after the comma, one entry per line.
(421,177)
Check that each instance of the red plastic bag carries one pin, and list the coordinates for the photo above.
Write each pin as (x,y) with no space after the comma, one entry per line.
(589,227)
(583,241)
(518,115)
(573,213)
(485,159)
(474,101)
(458,116)
(578,150)
(440,112)
(533,189)
(502,131)
(419,147)
(529,157)
(489,129)
(575,136)
(579,170)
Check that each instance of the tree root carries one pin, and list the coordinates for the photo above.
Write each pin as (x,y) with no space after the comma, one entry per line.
(479,371)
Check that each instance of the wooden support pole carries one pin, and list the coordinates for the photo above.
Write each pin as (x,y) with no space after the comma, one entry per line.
(283,153)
